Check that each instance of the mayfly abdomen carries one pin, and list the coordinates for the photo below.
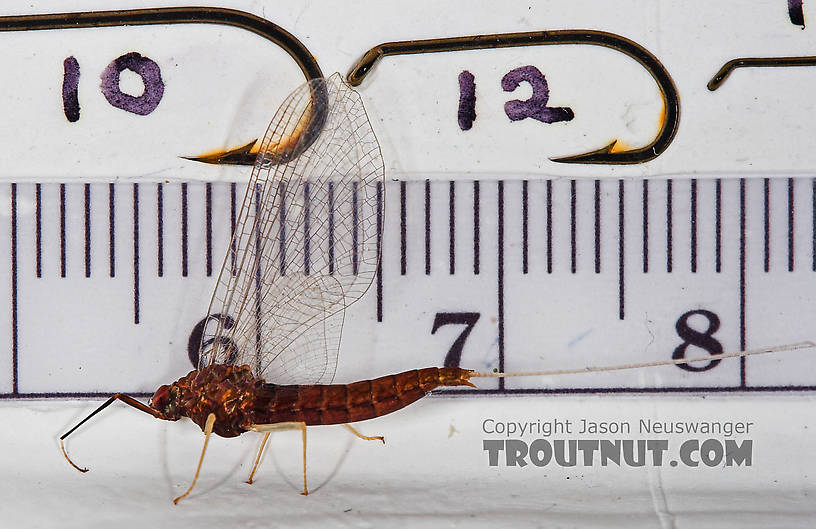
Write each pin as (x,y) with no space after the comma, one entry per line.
(358,401)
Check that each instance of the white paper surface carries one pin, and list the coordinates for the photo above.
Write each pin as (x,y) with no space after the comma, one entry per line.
(432,471)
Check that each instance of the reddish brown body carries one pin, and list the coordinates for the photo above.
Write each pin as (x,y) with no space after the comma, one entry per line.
(239,400)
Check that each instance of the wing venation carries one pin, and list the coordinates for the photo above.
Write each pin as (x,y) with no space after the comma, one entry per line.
(306,242)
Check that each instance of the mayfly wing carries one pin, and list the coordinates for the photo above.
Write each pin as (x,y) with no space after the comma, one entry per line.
(306,242)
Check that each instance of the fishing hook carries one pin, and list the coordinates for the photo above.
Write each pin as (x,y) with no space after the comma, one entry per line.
(605,155)
(757,62)
(246,154)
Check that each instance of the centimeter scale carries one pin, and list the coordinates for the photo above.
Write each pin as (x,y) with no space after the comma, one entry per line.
(107,283)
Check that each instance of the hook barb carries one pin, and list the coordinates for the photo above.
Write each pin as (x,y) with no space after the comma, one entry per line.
(243,155)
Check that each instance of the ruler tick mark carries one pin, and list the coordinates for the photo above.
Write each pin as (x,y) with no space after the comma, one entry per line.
(718,226)
(184,229)
(597,226)
(573,256)
(813,223)
(282,220)
(331,228)
(208,226)
(87,230)
(307,243)
(403,230)
(379,252)
(500,278)
(693,227)
(549,228)
(524,215)
(669,227)
(136,253)
(427,227)
(160,229)
(742,300)
(476,236)
(767,222)
(452,227)
(14,336)
(790,224)
(258,261)
(62,229)
(233,213)
(38,228)
(355,236)
(621,239)
(354,229)
(111,230)
(645,202)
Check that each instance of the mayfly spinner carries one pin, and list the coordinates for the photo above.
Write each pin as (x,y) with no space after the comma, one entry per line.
(306,246)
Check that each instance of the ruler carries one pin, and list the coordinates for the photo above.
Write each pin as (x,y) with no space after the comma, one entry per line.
(106,282)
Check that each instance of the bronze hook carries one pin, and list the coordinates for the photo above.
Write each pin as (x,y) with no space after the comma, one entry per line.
(313,121)
(604,155)
(757,62)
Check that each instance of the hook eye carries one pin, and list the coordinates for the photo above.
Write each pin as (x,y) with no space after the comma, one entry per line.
(757,62)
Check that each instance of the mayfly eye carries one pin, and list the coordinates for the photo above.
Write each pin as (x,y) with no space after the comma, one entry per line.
(161,398)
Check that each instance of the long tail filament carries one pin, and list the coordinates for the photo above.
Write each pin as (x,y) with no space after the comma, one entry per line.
(780,348)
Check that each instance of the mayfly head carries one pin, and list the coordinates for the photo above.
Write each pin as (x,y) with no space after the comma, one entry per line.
(164,401)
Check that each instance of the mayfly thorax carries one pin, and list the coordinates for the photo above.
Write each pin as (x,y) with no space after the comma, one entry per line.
(306,245)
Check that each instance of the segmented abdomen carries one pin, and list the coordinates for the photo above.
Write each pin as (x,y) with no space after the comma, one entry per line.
(345,403)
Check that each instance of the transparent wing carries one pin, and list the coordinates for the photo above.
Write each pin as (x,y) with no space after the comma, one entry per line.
(306,242)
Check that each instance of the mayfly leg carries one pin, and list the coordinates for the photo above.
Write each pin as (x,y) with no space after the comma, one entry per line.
(118,396)
(266,428)
(365,437)
(208,428)
(258,458)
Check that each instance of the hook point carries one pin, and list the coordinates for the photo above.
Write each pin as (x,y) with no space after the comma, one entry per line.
(242,155)
(602,155)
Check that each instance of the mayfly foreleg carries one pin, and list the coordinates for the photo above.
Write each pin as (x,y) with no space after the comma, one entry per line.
(258,457)
(285,426)
(208,428)
(365,437)
(118,396)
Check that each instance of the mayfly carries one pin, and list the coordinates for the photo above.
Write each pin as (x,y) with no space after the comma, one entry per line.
(305,247)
